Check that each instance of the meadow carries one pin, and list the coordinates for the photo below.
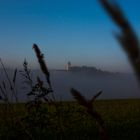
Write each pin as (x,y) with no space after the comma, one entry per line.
(121,120)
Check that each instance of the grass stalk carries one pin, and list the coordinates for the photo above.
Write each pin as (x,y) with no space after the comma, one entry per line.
(88,105)
(127,38)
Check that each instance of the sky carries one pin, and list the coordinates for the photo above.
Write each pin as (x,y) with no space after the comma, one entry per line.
(79,31)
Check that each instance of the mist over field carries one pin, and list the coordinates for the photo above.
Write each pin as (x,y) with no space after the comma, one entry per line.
(114,86)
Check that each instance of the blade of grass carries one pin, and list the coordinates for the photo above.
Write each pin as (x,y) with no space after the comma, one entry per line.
(9,81)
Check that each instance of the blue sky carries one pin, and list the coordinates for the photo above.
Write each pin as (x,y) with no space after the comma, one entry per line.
(79,31)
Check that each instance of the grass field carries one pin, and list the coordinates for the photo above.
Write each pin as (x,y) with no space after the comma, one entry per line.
(122,120)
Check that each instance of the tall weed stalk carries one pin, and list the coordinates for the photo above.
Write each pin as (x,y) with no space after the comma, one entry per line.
(127,38)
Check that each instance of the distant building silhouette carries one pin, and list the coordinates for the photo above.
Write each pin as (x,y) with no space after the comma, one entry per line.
(83,68)
(68,67)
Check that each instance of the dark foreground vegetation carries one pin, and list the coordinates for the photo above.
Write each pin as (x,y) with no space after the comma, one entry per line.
(121,120)
(42,117)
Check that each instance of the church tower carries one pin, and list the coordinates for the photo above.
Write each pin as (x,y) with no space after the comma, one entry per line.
(68,66)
